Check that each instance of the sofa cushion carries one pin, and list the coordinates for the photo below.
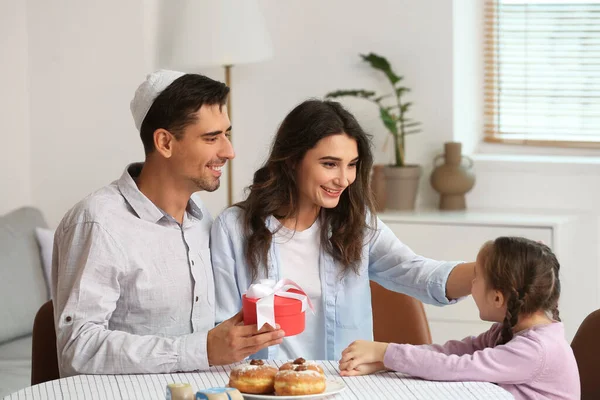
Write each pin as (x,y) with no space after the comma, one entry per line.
(18,349)
(15,365)
(45,238)
(22,284)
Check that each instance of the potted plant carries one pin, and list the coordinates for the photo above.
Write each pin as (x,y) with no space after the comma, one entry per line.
(401,180)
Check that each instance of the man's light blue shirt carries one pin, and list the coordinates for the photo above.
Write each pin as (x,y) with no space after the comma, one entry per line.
(346,297)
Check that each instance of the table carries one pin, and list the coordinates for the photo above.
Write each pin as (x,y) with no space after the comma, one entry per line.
(388,385)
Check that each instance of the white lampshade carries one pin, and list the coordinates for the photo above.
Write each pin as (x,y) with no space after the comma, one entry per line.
(216,32)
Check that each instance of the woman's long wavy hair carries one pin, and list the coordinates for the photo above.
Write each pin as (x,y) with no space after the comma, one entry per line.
(527,274)
(274,187)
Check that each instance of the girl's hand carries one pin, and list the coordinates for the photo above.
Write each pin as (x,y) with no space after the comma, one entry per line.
(364,369)
(362,352)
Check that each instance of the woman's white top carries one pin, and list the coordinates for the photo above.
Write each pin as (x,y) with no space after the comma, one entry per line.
(299,254)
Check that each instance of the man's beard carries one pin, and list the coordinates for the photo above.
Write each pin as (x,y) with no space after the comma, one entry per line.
(206,184)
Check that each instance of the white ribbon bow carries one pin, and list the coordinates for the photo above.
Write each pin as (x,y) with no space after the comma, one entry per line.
(266,290)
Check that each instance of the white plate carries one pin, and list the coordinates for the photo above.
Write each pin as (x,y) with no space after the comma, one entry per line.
(331,387)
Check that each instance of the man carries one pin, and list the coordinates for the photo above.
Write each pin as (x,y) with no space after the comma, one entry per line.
(131,269)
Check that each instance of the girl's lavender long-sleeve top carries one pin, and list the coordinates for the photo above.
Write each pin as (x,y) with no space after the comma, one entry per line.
(537,363)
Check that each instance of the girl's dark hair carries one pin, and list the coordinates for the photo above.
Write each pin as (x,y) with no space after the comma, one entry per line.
(175,107)
(527,274)
(274,187)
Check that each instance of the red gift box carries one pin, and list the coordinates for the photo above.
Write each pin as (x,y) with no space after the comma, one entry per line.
(288,313)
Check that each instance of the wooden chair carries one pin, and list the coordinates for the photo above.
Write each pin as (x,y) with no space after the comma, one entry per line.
(586,348)
(44,359)
(398,318)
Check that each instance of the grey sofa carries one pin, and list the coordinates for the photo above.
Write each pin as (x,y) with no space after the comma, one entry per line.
(22,292)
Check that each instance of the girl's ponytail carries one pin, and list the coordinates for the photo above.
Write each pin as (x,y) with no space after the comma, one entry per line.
(513,309)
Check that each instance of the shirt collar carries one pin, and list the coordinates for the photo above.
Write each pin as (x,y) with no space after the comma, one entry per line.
(143,206)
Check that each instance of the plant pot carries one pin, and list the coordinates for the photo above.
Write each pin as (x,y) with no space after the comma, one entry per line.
(378,187)
(402,185)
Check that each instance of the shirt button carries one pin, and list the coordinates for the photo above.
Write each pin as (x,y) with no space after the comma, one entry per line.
(196,299)
(69,319)
(192,262)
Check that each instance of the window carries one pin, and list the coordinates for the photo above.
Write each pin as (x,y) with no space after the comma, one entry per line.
(542,72)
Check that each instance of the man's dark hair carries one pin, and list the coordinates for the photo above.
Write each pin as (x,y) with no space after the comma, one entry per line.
(174,108)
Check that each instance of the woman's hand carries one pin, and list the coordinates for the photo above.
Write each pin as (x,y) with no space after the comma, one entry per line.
(361,353)
(460,281)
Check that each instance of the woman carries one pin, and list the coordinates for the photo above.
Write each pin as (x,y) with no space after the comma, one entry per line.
(309,218)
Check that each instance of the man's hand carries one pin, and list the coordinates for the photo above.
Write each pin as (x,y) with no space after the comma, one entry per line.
(363,352)
(231,341)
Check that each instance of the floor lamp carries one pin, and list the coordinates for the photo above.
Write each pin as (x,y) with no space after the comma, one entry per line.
(218,32)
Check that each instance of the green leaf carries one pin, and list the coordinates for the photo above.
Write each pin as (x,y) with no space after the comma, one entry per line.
(402,90)
(412,132)
(405,107)
(381,63)
(388,120)
(366,94)
(378,99)
(411,124)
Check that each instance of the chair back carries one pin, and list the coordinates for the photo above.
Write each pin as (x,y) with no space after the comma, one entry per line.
(44,359)
(398,318)
(586,348)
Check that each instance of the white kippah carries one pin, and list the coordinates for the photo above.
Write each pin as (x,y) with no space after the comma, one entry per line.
(148,91)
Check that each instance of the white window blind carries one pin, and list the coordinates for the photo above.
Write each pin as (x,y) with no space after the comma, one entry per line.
(542,72)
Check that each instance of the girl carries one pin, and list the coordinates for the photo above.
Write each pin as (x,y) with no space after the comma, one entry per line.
(309,218)
(516,284)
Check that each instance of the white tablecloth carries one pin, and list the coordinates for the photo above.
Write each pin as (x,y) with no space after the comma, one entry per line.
(387,385)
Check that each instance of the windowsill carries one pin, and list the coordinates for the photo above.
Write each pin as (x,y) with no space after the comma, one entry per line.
(537,163)
(536,158)
(529,150)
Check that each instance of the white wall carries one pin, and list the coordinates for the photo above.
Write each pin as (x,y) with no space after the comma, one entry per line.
(86,59)
(69,71)
(316,47)
(15,181)
(316,50)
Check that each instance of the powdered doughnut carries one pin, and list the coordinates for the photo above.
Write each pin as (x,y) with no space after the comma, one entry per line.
(301,361)
(255,377)
(299,381)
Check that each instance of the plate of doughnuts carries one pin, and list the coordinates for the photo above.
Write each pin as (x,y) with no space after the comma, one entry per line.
(299,379)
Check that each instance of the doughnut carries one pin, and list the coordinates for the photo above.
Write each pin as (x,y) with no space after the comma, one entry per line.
(255,377)
(301,361)
(299,381)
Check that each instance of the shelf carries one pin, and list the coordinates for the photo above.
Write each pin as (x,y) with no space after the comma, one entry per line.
(477,217)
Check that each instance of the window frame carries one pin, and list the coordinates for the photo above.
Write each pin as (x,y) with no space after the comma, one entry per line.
(491,132)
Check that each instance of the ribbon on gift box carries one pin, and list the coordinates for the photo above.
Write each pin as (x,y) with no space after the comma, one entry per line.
(266,290)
